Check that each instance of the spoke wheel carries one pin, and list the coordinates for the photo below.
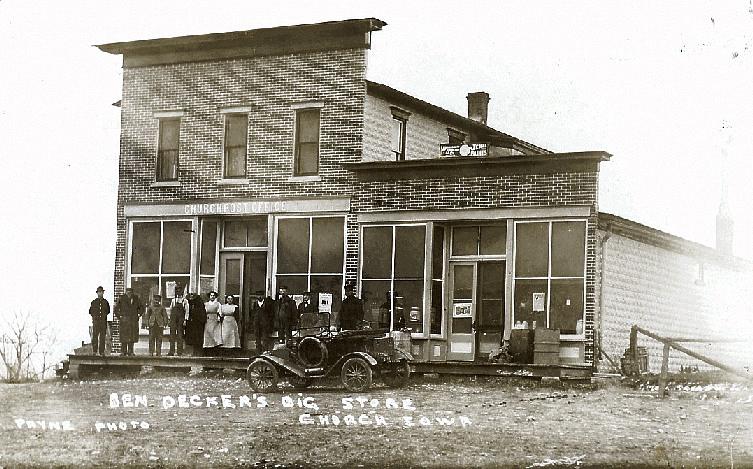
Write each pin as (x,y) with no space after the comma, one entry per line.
(299,382)
(356,374)
(262,375)
(397,375)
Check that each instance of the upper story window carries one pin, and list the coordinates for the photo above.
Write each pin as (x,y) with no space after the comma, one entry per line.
(398,132)
(167,150)
(306,142)
(236,144)
(455,137)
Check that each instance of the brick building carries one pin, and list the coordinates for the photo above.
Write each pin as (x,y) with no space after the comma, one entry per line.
(259,158)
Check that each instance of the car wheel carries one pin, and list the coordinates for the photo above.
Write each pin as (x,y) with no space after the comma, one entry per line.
(299,382)
(356,374)
(397,375)
(262,375)
(312,352)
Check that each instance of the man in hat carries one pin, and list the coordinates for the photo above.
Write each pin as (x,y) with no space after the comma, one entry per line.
(351,312)
(178,318)
(285,312)
(263,314)
(156,320)
(128,309)
(99,310)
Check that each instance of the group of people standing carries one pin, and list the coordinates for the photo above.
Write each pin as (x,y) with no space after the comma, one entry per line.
(209,327)
(193,322)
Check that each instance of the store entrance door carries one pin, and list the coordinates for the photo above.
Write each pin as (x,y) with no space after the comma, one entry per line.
(241,274)
(477,308)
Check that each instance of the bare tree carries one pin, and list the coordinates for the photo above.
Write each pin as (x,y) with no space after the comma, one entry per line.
(23,339)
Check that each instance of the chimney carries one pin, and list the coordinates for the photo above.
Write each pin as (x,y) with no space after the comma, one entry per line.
(724,229)
(478,106)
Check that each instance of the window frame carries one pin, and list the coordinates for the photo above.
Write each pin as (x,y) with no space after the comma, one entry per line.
(226,115)
(477,256)
(129,251)
(309,274)
(401,116)
(549,278)
(427,281)
(296,138)
(164,117)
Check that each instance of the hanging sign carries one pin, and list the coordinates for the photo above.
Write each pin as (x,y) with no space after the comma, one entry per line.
(539,300)
(170,287)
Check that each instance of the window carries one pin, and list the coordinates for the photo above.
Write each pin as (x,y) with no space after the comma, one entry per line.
(485,240)
(455,137)
(310,256)
(437,280)
(397,132)
(550,274)
(236,143)
(245,233)
(160,253)
(167,151)
(392,276)
(306,142)
(208,255)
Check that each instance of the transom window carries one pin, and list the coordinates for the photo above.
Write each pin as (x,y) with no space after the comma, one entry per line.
(160,253)
(550,274)
(236,144)
(307,142)
(483,240)
(167,150)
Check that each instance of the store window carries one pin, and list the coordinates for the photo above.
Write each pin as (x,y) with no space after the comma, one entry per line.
(484,240)
(167,150)
(550,274)
(208,254)
(392,276)
(160,257)
(236,144)
(307,142)
(310,256)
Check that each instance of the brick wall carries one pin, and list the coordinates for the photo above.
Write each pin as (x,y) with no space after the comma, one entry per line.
(423,134)
(270,86)
(660,290)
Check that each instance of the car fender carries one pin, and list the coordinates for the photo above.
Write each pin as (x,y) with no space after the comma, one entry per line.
(366,356)
(280,363)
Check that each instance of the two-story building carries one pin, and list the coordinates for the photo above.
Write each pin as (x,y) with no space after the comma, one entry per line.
(253,159)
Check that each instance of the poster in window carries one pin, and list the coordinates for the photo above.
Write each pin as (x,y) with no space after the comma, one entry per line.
(539,302)
(462,310)
(325,302)
(170,289)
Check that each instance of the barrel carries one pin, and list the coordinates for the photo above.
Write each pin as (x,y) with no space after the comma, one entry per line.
(546,346)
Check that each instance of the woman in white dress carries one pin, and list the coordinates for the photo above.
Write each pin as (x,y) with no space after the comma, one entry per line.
(228,313)
(212,328)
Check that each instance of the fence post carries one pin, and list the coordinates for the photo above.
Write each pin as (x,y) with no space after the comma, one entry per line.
(664,369)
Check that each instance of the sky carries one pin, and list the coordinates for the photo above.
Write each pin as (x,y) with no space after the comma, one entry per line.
(665,87)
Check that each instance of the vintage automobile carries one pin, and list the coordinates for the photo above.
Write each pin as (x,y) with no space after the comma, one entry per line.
(316,351)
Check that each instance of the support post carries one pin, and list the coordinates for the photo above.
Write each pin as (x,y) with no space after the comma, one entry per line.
(664,369)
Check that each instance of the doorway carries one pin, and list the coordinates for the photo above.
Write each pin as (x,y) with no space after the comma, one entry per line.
(477,299)
(242,274)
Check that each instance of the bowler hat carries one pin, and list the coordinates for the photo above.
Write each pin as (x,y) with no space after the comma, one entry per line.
(99,288)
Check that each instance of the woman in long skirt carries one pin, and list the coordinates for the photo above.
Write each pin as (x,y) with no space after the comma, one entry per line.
(212,329)
(197,317)
(229,324)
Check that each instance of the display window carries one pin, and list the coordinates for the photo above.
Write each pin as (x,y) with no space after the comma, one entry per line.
(160,257)
(392,276)
(310,256)
(549,280)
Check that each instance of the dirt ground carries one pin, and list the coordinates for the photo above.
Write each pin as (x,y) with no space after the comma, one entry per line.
(434,422)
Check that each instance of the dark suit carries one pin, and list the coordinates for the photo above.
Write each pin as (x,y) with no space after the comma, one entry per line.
(128,310)
(264,323)
(285,314)
(351,313)
(99,310)
(197,317)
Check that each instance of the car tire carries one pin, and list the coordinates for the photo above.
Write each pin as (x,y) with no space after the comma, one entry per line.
(397,375)
(312,352)
(356,374)
(262,375)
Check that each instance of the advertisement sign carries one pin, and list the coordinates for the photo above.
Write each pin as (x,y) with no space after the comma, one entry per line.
(539,302)
(465,149)
(325,302)
(462,310)
(170,289)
